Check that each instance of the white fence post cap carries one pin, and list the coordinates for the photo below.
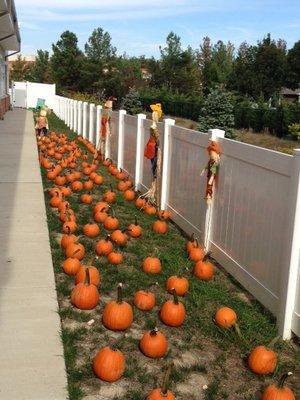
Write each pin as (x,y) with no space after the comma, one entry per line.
(216,133)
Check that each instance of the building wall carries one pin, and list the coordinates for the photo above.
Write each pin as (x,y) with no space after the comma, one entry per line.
(4,98)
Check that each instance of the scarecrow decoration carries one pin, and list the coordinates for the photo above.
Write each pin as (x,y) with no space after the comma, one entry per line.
(104,128)
(212,168)
(153,153)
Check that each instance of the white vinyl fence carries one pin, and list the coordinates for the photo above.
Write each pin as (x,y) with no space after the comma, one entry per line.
(253,224)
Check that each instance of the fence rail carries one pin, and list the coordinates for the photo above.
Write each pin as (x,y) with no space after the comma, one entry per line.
(253,225)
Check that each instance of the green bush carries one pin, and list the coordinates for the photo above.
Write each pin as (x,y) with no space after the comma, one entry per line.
(294,130)
(131,102)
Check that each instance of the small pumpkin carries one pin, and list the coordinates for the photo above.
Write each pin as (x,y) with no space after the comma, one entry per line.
(101,206)
(154,344)
(71,250)
(225,317)
(71,265)
(98,179)
(151,265)
(85,296)
(115,258)
(172,312)
(134,230)
(262,360)
(88,185)
(100,216)
(86,198)
(67,239)
(91,230)
(111,223)
(279,392)
(69,226)
(110,196)
(143,300)
(197,252)
(204,269)
(104,246)
(163,393)
(163,215)
(119,237)
(56,200)
(93,273)
(109,364)
(129,195)
(160,227)
(140,203)
(117,315)
(178,283)
(77,186)
(121,175)
(190,244)
(149,209)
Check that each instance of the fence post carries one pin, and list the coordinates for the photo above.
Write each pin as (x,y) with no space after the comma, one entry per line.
(98,123)
(139,152)
(84,120)
(64,110)
(289,274)
(75,126)
(79,117)
(164,189)
(121,139)
(71,113)
(91,123)
(214,134)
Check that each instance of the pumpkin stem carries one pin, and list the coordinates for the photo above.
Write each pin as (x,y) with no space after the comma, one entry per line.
(120,294)
(283,379)
(87,277)
(192,237)
(69,230)
(166,379)
(197,243)
(207,256)
(111,188)
(175,296)
(154,332)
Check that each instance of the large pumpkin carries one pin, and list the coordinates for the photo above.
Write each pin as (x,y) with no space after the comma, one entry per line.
(85,296)
(117,315)
(109,364)
(172,312)
(262,360)
(154,344)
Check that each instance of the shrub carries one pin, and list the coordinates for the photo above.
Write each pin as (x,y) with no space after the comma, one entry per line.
(294,130)
(131,102)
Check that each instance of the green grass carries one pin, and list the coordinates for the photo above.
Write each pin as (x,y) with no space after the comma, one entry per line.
(198,333)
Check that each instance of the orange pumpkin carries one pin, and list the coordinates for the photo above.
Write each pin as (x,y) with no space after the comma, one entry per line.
(119,237)
(93,272)
(66,191)
(154,344)
(101,206)
(115,258)
(163,214)
(163,393)
(109,364)
(71,265)
(104,247)
(67,239)
(69,226)
(160,227)
(98,179)
(71,250)
(117,315)
(85,296)
(279,392)
(77,186)
(88,185)
(225,317)
(172,312)
(111,223)
(91,230)
(110,196)
(140,203)
(129,195)
(262,361)
(203,269)
(134,230)
(121,175)
(151,265)
(100,216)
(149,209)
(196,253)
(177,283)
(55,200)
(144,301)
(86,198)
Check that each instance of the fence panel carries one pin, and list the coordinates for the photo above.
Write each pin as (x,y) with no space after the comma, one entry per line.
(249,217)
(130,131)
(185,198)
(113,140)
(296,314)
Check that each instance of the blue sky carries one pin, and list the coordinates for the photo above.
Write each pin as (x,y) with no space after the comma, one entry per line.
(140,26)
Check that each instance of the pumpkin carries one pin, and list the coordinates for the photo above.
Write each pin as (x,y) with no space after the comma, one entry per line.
(177,283)
(111,223)
(85,296)
(154,344)
(69,226)
(149,209)
(63,206)
(129,195)
(77,186)
(196,253)
(55,200)
(93,272)
(160,227)
(121,175)
(225,317)
(134,230)
(107,162)
(110,196)
(163,214)
(279,392)
(151,265)
(190,244)
(54,192)
(66,191)
(122,186)
(262,360)
(104,247)
(163,393)
(71,250)
(88,185)
(100,216)
(203,269)
(77,174)
(115,258)
(101,206)
(60,180)
(119,237)
(91,230)
(172,312)
(92,175)
(86,198)
(117,315)
(70,177)
(71,265)
(140,203)
(144,301)
(67,239)
(98,179)
(109,364)
(67,215)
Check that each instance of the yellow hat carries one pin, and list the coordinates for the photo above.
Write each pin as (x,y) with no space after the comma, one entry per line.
(156,107)
(43,113)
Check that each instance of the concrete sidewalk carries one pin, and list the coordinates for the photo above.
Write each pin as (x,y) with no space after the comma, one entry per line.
(32,366)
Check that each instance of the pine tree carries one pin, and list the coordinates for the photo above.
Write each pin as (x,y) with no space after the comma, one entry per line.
(131,102)
(20,70)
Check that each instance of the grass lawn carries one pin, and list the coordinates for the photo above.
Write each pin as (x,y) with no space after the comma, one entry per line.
(202,353)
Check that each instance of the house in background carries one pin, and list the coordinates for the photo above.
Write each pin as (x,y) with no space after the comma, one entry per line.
(292,96)
(10,41)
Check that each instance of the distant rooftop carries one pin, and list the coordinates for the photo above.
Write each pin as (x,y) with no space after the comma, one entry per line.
(290,92)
